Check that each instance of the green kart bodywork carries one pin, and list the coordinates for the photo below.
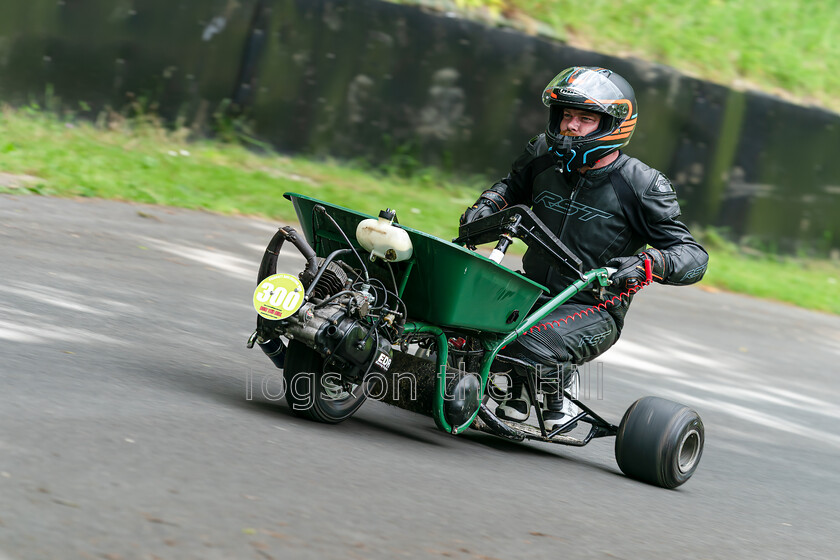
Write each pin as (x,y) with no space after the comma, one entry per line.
(445,288)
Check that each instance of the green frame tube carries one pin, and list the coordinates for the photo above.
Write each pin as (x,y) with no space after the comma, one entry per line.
(417,327)
(493,345)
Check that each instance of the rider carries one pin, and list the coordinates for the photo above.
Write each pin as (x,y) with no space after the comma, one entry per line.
(606,207)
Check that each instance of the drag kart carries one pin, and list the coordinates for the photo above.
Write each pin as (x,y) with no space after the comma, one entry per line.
(383,311)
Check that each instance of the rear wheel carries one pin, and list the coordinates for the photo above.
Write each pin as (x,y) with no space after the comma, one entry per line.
(315,394)
(659,442)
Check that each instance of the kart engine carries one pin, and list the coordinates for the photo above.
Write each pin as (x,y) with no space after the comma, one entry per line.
(347,323)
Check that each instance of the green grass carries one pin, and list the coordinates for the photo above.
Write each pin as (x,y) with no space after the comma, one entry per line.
(784,47)
(139,161)
(806,282)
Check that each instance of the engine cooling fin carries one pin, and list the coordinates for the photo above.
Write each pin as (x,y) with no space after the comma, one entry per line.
(331,282)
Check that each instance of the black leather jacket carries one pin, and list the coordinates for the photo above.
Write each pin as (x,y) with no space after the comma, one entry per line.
(584,211)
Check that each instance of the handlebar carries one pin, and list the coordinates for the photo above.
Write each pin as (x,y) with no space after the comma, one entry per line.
(520,222)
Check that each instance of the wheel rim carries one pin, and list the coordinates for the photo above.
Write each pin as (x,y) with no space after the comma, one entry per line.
(335,392)
(689,451)
(336,401)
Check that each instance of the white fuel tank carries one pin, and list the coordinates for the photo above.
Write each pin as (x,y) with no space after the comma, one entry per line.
(383,239)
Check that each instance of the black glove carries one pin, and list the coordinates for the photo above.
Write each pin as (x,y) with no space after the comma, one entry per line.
(488,203)
(631,270)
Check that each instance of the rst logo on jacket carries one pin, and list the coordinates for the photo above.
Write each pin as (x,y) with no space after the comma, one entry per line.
(694,273)
(557,203)
(594,339)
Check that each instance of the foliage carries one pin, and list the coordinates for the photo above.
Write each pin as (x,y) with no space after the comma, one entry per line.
(138,160)
(494,6)
(784,47)
(809,282)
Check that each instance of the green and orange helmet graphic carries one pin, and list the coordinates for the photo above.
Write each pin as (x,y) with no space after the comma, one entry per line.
(592,89)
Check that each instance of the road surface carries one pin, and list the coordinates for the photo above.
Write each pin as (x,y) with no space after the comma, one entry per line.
(134,423)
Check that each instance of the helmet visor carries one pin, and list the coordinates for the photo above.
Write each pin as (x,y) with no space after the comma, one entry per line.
(585,89)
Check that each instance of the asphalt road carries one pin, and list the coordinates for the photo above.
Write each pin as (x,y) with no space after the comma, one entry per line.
(126,429)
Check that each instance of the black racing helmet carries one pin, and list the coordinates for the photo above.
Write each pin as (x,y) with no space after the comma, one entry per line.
(592,89)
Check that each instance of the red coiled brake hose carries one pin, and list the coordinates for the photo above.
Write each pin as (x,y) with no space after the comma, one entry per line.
(603,305)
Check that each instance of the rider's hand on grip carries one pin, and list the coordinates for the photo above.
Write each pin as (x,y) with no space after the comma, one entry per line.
(629,274)
(631,271)
(488,203)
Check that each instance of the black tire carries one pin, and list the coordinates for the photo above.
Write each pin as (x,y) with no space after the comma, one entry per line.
(659,442)
(307,388)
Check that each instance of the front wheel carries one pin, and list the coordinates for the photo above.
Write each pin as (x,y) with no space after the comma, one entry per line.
(659,442)
(315,394)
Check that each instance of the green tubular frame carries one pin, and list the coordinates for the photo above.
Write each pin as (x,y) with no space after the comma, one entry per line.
(430,253)
(493,345)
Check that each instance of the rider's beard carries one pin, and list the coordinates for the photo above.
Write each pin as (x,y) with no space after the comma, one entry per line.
(568,133)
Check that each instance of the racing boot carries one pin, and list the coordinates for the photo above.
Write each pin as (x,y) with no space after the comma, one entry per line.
(516,405)
(560,411)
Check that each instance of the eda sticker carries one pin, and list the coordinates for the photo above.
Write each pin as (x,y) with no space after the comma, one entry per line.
(278,296)
(383,361)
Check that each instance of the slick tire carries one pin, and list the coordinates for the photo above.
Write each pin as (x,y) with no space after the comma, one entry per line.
(659,442)
(314,394)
